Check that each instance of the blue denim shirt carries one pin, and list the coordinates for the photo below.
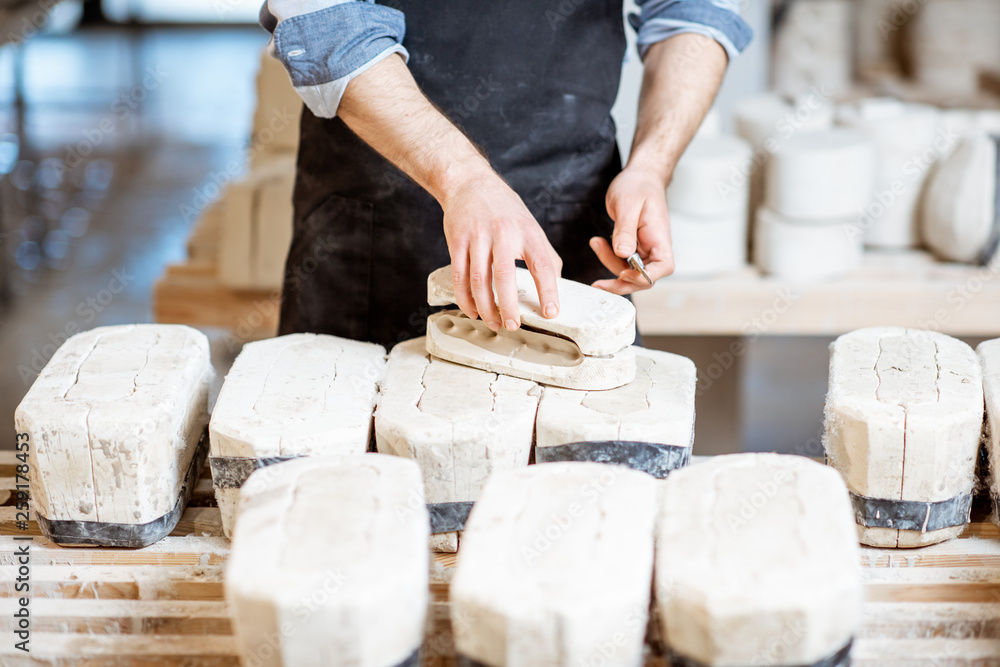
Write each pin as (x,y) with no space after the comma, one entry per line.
(325,43)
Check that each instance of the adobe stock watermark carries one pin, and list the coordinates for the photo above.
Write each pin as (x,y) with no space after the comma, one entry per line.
(86,312)
(270,644)
(902,12)
(248,327)
(560,522)
(628,637)
(467,106)
(562,12)
(224,7)
(765,492)
(913,171)
(776,653)
(722,362)
(960,295)
(32,23)
(808,105)
(123,106)
(579,163)
(279,120)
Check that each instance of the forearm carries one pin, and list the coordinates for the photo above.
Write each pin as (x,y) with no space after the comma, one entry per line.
(384,106)
(681,78)
(486,225)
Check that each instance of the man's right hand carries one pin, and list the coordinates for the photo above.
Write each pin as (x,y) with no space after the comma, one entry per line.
(486,224)
(487,227)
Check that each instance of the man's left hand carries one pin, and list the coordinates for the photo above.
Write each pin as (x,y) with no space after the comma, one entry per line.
(637,202)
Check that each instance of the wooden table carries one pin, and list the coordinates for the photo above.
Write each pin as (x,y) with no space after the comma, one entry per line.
(938,606)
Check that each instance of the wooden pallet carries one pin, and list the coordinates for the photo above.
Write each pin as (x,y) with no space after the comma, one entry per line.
(938,606)
(190,292)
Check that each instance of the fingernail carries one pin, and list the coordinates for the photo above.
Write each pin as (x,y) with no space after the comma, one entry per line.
(622,250)
(593,243)
(494,326)
(551,310)
(511,325)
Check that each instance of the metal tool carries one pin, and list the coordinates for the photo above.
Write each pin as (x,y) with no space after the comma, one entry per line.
(636,263)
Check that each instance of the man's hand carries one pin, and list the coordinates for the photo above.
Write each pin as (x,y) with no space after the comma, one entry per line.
(488,227)
(637,202)
(486,224)
(680,78)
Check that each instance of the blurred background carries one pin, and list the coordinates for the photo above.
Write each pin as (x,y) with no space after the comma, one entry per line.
(147,154)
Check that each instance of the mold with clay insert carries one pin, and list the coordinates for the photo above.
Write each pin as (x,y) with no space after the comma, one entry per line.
(528,346)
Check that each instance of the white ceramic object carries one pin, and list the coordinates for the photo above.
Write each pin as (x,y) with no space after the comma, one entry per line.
(907,145)
(960,204)
(556,564)
(757,562)
(710,178)
(806,250)
(329,564)
(823,175)
(705,247)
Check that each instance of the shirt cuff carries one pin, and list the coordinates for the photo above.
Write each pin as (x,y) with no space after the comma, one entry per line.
(323,50)
(663,19)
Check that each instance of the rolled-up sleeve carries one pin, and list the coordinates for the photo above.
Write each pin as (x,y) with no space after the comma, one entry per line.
(718,19)
(326,43)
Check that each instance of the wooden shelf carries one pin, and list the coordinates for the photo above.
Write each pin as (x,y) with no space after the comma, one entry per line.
(908,289)
(164,605)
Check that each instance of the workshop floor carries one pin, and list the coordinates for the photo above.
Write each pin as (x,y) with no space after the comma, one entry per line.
(184,120)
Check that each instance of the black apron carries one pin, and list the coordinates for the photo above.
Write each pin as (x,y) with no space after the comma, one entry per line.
(532,83)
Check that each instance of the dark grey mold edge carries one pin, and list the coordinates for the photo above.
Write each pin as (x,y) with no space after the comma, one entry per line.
(129,535)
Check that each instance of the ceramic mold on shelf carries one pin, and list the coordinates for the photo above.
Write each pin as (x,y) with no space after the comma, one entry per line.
(587,346)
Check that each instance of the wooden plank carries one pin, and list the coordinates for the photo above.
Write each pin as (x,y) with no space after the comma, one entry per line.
(203,494)
(905,289)
(926,652)
(54,645)
(969,552)
(123,661)
(928,584)
(202,582)
(201,551)
(202,521)
(103,616)
(986,529)
(902,620)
